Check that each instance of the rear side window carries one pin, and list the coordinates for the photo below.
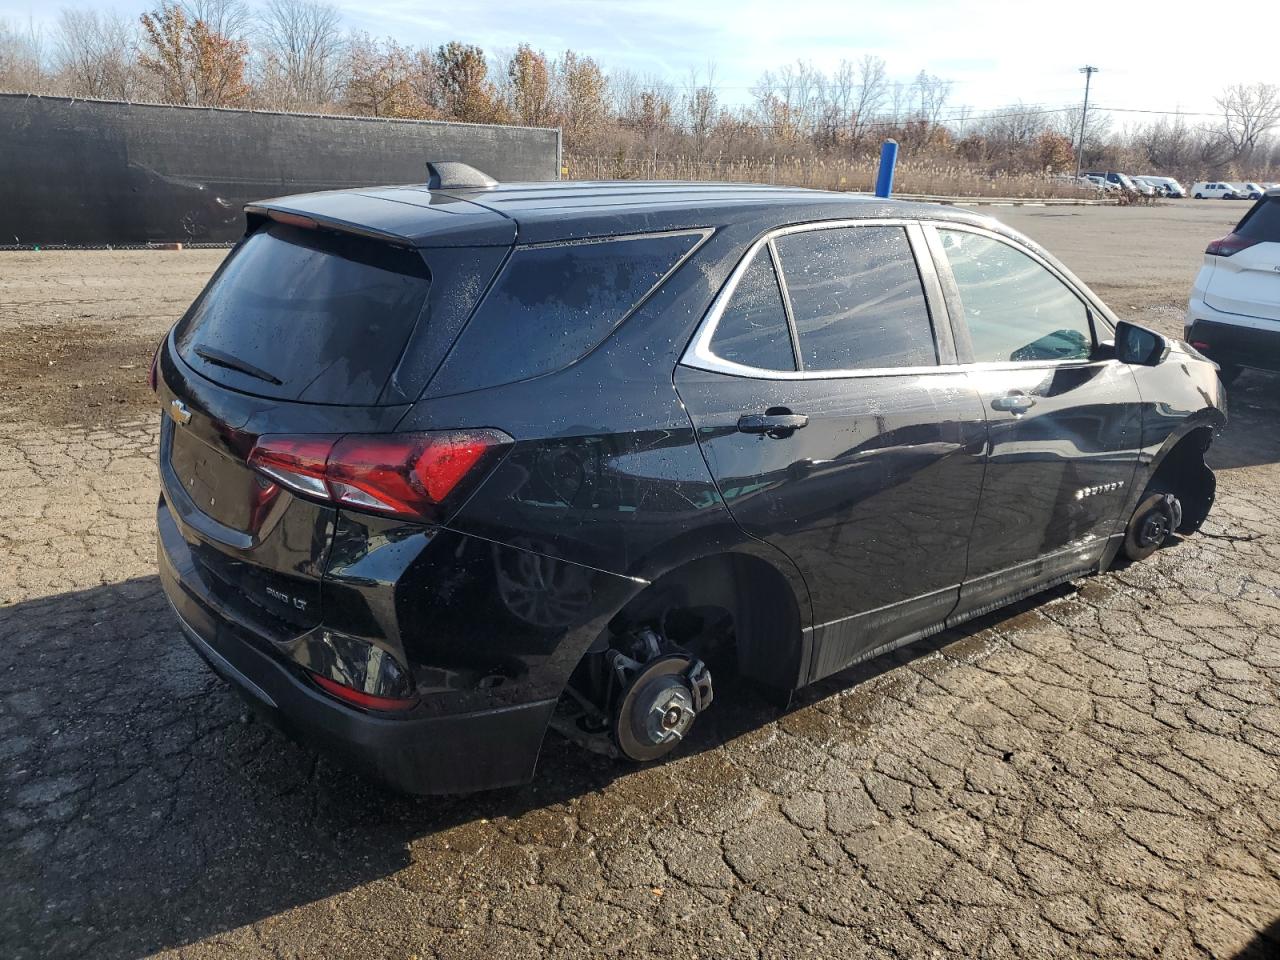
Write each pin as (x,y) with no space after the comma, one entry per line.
(1015,309)
(553,304)
(753,329)
(306,315)
(857,299)
(1262,223)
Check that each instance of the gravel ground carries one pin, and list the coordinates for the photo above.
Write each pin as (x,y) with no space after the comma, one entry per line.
(1095,772)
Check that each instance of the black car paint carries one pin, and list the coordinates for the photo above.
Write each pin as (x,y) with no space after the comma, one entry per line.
(628,466)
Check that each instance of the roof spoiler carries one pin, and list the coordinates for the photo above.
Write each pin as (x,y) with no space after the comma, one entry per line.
(255,213)
(452,175)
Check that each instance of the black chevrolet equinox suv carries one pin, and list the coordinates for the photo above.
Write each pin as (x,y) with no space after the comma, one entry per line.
(445,465)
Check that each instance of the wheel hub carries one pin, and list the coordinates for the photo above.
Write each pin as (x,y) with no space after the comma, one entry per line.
(670,712)
(1154,529)
(659,704)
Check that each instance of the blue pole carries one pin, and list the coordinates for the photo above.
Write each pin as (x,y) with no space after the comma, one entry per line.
(888,160)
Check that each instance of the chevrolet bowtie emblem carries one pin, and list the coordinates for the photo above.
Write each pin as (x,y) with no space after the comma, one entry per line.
(178,410)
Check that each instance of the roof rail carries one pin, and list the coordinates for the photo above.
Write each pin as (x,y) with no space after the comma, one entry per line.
(452,175)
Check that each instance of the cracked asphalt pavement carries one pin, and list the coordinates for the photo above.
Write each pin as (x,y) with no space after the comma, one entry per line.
(1095,772)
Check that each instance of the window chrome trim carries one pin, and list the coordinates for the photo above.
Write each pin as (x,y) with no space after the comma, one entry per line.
(704,232)
(700,356)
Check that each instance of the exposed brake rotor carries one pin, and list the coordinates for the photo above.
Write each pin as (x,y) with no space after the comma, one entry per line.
(659,702)
(1152,523)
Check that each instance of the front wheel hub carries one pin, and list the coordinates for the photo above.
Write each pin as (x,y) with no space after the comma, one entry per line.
(1155,519)
(1155,528)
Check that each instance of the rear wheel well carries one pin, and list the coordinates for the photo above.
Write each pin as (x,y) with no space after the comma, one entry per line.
(1182,472)
(729,609)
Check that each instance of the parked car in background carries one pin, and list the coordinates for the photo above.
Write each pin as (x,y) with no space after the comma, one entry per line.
(1234,313)
(1251,191)
(443,465)
(1122,180)
(1167,186)
(1214,190)
(1067,180)
(1103,184)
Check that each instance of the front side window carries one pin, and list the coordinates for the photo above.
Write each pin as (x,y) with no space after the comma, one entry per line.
(753,329)
(856,298)
(1015,309)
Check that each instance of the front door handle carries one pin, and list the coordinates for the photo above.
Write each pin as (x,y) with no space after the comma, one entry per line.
(1014,403)
(774,424)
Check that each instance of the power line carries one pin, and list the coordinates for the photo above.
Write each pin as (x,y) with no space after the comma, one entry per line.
(1167,113)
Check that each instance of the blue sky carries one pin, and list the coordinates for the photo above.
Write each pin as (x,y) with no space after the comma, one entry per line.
(1160,56)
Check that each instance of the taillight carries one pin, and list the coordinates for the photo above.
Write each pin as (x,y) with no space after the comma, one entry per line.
(412,475)
(1231,243)
(153,375)
(361,699)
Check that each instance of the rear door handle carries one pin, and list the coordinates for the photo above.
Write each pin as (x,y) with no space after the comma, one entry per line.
(1014,403)
(772,423)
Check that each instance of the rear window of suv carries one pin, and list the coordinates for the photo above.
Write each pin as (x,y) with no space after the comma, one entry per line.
(1262,223)
(306,315)
(554,303)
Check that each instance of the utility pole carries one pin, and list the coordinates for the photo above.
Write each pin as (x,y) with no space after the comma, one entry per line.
(1084,119)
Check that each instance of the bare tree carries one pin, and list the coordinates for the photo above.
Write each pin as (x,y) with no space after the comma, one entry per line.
(96,54)
(1248,112)
(931,93)
(227,18)
(699,107)
(789,101)
(871,87)
(647,107)
(302,50)
(1167,145)
(22,59)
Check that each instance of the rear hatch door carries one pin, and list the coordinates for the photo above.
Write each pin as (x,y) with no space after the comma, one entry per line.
(303,331)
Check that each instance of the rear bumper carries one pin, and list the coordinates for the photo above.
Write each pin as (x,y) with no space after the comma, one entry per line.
(455,753)
(1233,339)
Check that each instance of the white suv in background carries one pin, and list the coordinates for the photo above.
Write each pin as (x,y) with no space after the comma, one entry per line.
(1215,190)
(1234,313)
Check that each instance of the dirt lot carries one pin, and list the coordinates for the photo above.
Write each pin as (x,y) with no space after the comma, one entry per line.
(1094,773)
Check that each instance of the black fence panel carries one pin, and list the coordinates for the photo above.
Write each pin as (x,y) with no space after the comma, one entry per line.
(88,172)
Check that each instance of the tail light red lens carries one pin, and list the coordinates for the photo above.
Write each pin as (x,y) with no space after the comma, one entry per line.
(1228,245)
(359,698)
(411,475)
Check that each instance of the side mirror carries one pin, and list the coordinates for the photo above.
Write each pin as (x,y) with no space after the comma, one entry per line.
(1138,345)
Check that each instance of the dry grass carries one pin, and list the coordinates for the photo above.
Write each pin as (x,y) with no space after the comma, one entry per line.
(911,177)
